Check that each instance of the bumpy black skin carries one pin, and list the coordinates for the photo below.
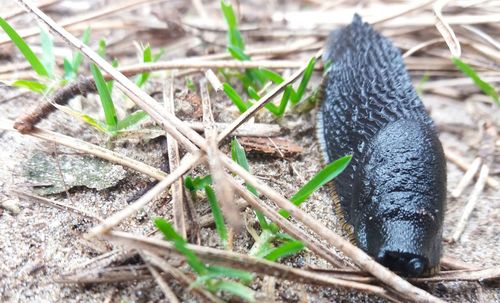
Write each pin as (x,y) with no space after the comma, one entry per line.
(393,193)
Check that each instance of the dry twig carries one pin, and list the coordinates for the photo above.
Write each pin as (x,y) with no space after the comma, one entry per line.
(225,194)
(173,159)
(167,291)
(445,29)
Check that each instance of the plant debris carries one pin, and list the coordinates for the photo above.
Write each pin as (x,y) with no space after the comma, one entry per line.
(52,175)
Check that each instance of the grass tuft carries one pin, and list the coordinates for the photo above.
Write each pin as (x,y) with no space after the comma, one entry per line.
(213,278)
(255,79)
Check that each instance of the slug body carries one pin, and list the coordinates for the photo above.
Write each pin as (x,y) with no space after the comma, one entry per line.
(392,195)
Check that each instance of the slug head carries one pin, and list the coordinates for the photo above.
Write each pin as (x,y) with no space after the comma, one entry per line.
(400,197)
(405,239)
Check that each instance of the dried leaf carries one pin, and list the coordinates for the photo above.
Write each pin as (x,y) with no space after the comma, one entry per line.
(275,147)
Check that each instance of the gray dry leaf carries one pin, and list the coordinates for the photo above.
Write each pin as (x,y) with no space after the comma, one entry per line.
(42,170)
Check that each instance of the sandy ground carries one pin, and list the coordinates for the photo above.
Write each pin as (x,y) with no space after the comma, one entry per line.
(38,243)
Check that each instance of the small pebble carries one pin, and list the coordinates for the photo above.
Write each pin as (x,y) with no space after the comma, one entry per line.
(11,206)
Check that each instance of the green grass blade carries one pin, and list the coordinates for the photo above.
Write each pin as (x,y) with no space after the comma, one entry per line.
(234,35)
(111,83)
(239,156)
(147,57)
(100,126)
(180,244)
(238,53)
(271,75)
(296,96)
(280,109)
(324,176)
(284,250)
(190,84)
(253,93)
(77,56)
(158,55)
(68,70)
(227,272)
(105,96)
(147,54)
(235,288)
(198,183)
(235,39)
(263,244)
(33,86)
(284,237)
(101,49)
(218,217)
(131,120)
(228,12)
(326,66)
(48,57)
(234,97)
(24,49)
(420,86)
(483,85)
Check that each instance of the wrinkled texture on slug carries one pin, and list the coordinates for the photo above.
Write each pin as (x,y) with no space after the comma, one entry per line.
(393,193)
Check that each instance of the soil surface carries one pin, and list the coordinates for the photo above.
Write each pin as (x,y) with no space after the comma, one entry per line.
(39,243)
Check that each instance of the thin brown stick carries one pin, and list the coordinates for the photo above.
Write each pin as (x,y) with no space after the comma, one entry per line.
(84,85)
(208,219)
(420,46)
(225,194)
(445,29)
(52,203)
(406,10)
(167,291)
(471,204)
(480,275)
(464,165)
(247,129)
(470,275)
(195,219)
(115,274)
(483,36)
(40,5)
(467,177)
(173,159)
(200,64)
(452,263)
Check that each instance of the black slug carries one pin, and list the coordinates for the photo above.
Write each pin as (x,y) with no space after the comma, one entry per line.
(392,195)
